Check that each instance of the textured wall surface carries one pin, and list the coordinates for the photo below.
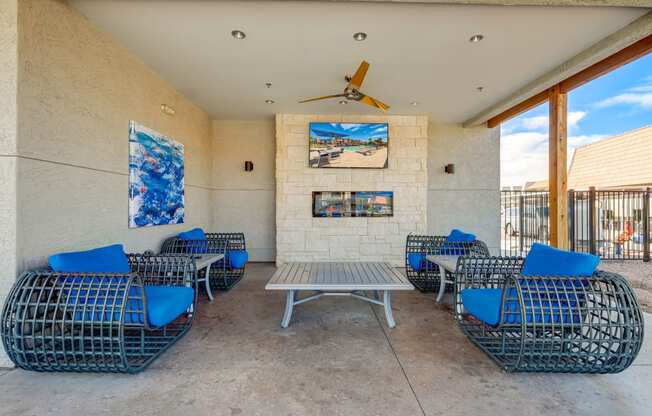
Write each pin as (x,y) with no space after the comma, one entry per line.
(299,237)
(470,198)
(8,162)
(78,90)
(244,201)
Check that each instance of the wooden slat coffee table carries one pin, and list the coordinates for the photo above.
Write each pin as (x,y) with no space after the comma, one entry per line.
(338,279)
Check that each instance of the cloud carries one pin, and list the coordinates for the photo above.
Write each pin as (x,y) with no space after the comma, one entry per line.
(537,123)
(381,129)
(643,100)
(524,155)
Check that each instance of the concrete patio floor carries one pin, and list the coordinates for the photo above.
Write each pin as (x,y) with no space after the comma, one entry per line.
(337,358)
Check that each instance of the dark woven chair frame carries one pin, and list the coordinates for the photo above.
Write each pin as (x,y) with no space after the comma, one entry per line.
(427,279)
(76,321)
(222,277)
(575,324)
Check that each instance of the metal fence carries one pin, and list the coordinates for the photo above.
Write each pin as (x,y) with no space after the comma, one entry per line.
(613,224)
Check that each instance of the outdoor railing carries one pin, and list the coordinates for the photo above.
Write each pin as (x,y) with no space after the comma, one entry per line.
(613,224)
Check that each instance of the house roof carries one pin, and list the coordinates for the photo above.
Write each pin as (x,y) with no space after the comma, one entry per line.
(536,185)
(622,161)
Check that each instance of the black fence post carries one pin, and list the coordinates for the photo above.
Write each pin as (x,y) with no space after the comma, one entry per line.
(646,225)
(591,207)
(521,222)
(571,219)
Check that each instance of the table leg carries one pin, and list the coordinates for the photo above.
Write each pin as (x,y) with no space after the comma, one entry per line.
(289,305)
(387,303)
(442,283)
(208,283)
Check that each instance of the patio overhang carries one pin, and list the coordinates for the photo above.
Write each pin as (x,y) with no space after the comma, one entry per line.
(612,52)
(617,49)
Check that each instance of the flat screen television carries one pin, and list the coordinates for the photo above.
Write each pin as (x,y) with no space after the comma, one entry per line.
(352,204)
(349,145)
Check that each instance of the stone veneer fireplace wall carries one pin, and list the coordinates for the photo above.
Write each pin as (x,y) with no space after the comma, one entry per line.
(300,237)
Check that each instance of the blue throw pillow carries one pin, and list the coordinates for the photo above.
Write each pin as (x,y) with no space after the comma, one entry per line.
(109,259)
(416,261)
(194,234)
(237,258)
(457,236)
(543,260)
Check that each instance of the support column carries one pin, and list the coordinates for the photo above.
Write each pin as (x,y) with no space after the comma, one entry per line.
(557,169)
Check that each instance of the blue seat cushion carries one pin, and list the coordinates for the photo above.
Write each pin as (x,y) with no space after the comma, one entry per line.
(109,259)
(236,259)
(541,307)
(543,260)
(164,304)
(416,261)
(194,234)
(484,304)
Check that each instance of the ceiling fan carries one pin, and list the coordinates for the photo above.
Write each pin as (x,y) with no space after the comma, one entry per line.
(352,90)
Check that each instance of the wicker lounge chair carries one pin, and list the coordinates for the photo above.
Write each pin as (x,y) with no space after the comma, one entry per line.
(225,273)
(425,276)
(105,319)
(550,313)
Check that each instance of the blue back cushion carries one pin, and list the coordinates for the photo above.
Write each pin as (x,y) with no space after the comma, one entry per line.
(109,259)
(458,236)
(452,246)
(543,260)
(194,234)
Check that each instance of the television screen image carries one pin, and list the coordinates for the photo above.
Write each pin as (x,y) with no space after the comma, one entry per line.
(348,145)
(352,204)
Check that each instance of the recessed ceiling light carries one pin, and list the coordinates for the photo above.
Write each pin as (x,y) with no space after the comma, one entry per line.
(476,38)
(414,103)
(269,101)
(343,102)
(360,36)
(238,34)
(166,109)
(480,89)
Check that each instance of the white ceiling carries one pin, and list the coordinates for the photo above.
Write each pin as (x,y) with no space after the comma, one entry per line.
(417,52)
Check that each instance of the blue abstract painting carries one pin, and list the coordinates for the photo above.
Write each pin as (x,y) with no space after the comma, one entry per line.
(156,193)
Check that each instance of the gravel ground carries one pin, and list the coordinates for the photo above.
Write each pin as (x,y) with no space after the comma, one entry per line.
(639,275)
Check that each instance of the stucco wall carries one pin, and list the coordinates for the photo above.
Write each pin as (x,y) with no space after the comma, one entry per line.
(244,201)
(300,237)
(8,165)
(470,198)
(78,90)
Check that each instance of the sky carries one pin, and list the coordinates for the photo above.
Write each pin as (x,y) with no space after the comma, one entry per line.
(352,130)
(610,105)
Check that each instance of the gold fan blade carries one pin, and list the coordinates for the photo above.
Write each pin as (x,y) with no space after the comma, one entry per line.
(322,98)
(356,80)
(374,102)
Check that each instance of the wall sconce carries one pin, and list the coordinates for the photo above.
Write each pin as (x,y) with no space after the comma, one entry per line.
(249,165)
(450,168)
(166,109)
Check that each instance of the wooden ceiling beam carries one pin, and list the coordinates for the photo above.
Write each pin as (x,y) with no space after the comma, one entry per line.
(522,107)
(609,64)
